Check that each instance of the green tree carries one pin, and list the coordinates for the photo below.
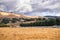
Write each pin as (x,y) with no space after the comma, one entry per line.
(14,20)
(5,20)
(58,21)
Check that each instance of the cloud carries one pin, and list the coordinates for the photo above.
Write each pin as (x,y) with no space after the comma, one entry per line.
(58,14)
(16,5)
(40,13)
(7,5)
(2,7)
(50,4)
(23,6)
(31,7)
(46,6)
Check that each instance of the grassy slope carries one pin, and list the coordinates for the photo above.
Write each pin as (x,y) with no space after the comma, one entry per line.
(29,34)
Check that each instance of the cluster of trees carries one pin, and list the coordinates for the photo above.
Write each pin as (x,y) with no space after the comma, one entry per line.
(7,20)
(4,21)
(48,22)
(38,22)
(58,21)
(14,20)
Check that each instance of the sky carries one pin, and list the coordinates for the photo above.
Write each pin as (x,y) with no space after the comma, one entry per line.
(32,7)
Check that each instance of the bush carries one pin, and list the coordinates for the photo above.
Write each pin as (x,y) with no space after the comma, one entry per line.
(14,20)
(4,25)
(58,21)
(5,20)
(30,19)
(50,22)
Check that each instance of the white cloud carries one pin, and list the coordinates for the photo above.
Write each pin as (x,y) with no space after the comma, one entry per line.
(16,5)
(2,7)
(51,4)
(36,7)
(23,5)
(58,14)
(7,5)
(57,5)
(45,6)
(42,13)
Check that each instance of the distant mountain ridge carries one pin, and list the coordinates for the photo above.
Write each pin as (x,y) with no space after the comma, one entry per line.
(52,16)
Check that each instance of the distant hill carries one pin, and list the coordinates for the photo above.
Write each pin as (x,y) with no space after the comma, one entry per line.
(15,15)
(52,16)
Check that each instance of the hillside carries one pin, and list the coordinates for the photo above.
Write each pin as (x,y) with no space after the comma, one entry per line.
(15,19)
(15,15)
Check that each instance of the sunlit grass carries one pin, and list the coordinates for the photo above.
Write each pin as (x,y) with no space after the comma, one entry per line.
(29,33)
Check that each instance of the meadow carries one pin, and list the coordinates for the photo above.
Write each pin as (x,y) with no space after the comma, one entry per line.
(31,33)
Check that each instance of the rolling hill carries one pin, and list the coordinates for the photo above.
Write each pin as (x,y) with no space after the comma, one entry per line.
(14,15)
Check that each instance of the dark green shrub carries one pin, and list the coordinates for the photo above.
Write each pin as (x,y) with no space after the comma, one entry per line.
(4,25)
(29,19)
(58,21)
(14,20)
(5,20)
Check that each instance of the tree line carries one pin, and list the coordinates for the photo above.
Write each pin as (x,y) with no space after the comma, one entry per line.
(44,22)
(38,22)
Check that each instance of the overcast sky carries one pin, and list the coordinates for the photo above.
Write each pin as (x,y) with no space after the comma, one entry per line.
(32,7)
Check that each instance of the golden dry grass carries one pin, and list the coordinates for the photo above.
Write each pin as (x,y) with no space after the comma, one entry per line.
(29,33)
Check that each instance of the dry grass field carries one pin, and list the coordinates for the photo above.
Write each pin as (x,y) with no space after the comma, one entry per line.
(29,33)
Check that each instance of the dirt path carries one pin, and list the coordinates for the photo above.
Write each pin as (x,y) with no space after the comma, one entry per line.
(29,33)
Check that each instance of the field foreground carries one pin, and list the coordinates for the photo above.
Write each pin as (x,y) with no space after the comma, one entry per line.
(29,33)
